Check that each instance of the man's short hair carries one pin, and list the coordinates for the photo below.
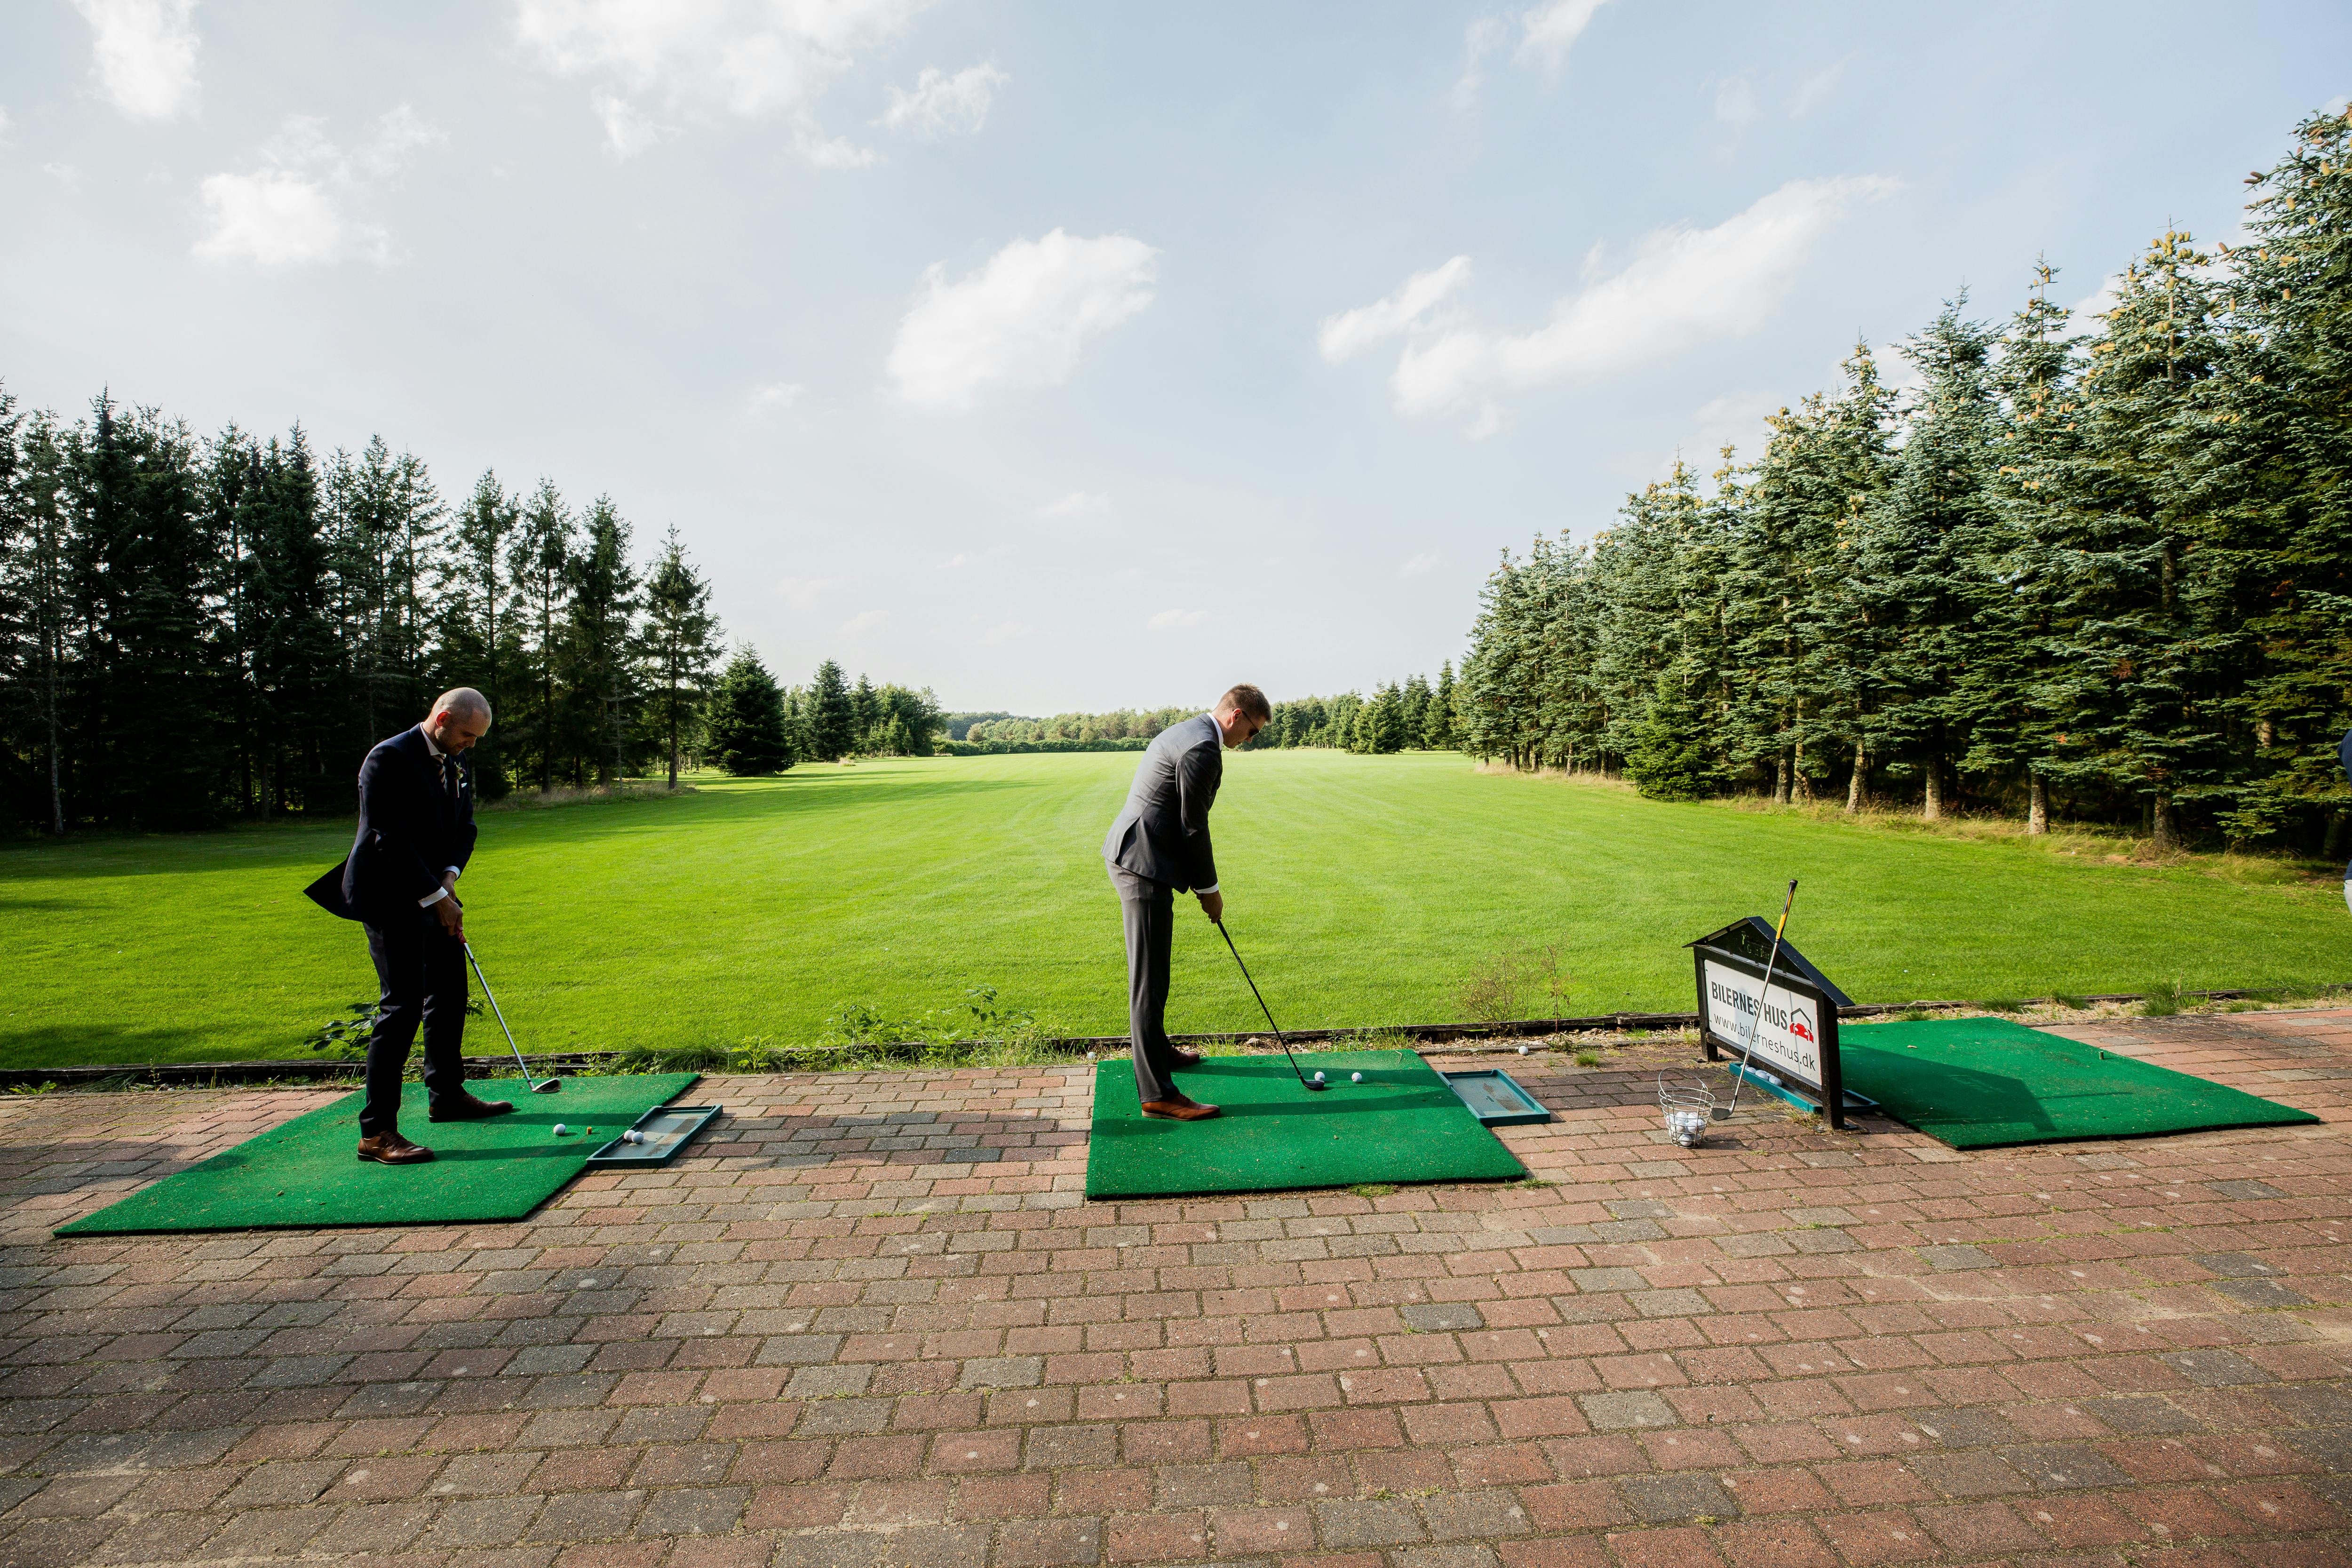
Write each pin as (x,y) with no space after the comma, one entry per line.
(463,702)
(1247,699)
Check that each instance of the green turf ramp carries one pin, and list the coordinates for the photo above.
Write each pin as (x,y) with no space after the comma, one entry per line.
(1402,1123)
(1983,1083)
(307,1173)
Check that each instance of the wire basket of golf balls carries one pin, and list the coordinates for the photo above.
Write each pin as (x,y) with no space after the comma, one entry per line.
(1688,1108)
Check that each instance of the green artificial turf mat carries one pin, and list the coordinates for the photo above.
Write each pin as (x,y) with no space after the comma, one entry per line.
(1981,1083)
(306,1172)
(1402,1123)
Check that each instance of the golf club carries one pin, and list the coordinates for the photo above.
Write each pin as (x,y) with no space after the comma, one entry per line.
(1265,1009)
(1723,1112)
(549,1086)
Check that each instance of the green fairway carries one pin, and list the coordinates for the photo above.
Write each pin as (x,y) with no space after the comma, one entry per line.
(1360,890)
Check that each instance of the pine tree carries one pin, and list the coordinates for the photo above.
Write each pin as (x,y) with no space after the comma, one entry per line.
(680,644)
(297,660)
(539,562)
(832,721)
(1438,730)
(863,713)
(601,672)
(744,719)
(479,643)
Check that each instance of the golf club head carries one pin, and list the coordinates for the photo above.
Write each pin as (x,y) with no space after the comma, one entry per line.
(548,1086)
(1723,1113)
(1317,1087)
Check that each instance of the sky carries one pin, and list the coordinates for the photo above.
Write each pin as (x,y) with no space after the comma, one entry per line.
(1063,357)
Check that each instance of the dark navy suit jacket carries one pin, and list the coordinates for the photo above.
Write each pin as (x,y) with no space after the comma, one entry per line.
(1162,833)
(412,829)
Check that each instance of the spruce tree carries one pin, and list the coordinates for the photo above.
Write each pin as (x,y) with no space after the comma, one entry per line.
(1438,730)
(743,723)
(479,643)
(539,562)
(832,721)
(679,645)
(601,674)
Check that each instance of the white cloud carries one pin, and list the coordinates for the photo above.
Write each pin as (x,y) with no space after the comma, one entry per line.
(944,105)
(628,131)
(776,394)
(1073,503)
(959,559)
(1482,38)
(1344,334)
(1683,286)
(1005,633)
(289,212)
(1734,101)
(273,217)
(1176,620)
(2087,316)
(806,594)
(1423,564)
(1735,420)
(1020,321)
(6,125)
(865,621)
(1548,31)
(752,59)
(145,52)
(64,175)
(1816,87)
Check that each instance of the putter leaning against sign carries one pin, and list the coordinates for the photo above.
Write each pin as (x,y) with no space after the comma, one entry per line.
(416,835)
(1157,847)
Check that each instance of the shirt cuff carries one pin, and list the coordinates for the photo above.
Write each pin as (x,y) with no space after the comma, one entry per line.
(455,870)
(1209,888)
(432,898)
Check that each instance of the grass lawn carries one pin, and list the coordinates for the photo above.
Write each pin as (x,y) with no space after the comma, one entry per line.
(1362,890)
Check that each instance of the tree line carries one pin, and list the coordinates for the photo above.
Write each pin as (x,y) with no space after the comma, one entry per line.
(196,630)
(2106,575)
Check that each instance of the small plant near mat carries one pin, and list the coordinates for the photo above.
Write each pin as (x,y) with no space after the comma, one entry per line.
(1373,1189)
(2161,1000)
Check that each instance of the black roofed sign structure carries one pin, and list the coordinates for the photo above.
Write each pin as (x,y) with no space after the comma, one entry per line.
(1793,1024)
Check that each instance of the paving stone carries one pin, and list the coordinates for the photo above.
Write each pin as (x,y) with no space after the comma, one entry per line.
(1618,1412)
(1954,1258)
(1431,1318)
(2242,1189)
(2063,1468)
(2215,1368)
(1661,1499)
(2144,1417)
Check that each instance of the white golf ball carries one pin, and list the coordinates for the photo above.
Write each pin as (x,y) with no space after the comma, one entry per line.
(1355,1077)
(1523,1051)
(633,1136)
(1319,1077)
(562,1130)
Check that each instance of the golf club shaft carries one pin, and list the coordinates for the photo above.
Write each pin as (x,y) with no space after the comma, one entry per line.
(1261,1003)
(1757,1022)
(501,1017)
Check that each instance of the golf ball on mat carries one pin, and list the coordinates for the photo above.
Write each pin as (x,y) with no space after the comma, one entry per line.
(562,1130)
(1319,1077)
(1355,1077)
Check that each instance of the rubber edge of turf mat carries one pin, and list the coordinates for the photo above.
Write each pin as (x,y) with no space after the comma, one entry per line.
(304,1172)
(1402,1124)
(1990,1083)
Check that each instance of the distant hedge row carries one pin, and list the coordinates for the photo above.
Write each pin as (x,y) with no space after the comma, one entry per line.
(1007,748)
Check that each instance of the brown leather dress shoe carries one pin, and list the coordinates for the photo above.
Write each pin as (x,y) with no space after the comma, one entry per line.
(392,1149)
(466,1107)
(1183,1108)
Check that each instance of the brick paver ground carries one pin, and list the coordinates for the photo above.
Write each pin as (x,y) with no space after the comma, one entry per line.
(871,1321)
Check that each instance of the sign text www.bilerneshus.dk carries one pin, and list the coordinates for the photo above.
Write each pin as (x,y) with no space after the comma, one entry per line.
(1787,1032)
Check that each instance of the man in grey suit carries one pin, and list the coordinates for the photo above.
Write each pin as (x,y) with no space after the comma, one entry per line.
(1159,847)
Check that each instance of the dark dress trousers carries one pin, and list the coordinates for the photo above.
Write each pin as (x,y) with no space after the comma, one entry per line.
(417,821)
(1159,847)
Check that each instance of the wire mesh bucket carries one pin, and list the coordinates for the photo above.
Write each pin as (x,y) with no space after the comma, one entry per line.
(1688,1108)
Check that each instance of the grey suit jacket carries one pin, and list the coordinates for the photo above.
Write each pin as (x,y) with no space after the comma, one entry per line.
(1162,833)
